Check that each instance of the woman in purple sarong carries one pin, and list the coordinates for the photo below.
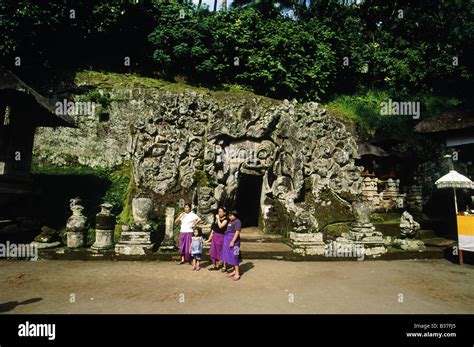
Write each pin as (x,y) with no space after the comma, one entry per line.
(217,237)
(188,220)
(231,245)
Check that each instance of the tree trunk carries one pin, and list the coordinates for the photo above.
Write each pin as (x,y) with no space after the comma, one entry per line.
(215,5)
(224,5)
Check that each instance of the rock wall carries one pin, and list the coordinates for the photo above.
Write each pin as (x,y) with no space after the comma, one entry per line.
(194,146)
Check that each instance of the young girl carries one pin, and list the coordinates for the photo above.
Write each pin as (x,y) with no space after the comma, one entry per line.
(196,248)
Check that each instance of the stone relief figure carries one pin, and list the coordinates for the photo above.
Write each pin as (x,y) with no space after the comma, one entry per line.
(206,204)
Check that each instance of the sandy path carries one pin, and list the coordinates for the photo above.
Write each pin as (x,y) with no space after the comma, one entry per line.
(428,286)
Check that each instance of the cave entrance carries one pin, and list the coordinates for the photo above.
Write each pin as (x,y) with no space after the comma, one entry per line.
(247,199)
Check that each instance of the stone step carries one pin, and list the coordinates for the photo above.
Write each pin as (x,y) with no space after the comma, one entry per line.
(439,242)
(265,248)
(248,253)
(388,229)
(254,234)
(426,234)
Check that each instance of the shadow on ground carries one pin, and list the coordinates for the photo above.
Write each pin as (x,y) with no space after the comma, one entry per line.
(11,305)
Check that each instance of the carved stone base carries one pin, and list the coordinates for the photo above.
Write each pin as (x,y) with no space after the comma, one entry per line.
(133,249)
(135,242)
(307,243)
(104,239)
(44,245)
(75,239)
(135,237)
(372,237)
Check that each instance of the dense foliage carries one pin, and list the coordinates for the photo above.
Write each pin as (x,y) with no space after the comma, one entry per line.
(283,49)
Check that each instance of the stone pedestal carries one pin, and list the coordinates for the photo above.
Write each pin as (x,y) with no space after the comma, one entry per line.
(307,243)
(363,232)
(105,226)
(168,243)
(104,240)
(76,239)
(136,238)
(134,242)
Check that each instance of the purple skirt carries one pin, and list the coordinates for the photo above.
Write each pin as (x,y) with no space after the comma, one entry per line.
(230,255)
(215,253)
(185,240)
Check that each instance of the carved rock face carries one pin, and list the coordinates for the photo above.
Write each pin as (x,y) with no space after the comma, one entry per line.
(191,135)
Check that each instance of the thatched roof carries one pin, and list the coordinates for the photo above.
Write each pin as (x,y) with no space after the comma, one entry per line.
(455,118)
(9,81)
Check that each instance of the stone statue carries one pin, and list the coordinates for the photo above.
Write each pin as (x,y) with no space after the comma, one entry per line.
(142,209)
(408,226)
(136,238)
(48,238)
(76,227)
(104,228)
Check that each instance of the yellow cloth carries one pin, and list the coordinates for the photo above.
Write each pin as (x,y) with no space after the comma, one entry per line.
(466,233)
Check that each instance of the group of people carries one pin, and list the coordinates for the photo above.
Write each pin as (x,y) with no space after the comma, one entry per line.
(224,239)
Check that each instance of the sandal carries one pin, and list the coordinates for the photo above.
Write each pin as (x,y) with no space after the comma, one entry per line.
(213,268)
(235,278)
(232,274)
(223,270)
(198,268)
(181,262)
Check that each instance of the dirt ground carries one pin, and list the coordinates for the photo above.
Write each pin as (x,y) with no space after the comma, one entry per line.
(267,286)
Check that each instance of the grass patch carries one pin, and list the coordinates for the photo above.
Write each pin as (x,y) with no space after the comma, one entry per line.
(365,110)
(385,218)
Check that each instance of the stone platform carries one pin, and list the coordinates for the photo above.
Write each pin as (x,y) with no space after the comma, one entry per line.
(255,245)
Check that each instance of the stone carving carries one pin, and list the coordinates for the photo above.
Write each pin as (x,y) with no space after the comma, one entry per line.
(206,204)
(76,227)
(307,243)
(361,211)
(363,232)
(285,142)
(168,243)
(48,238)
(136,238)
(409,245)
(104,228)
(142,209)
(408,226)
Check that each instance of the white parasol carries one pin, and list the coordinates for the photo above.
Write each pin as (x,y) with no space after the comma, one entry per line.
(454,180)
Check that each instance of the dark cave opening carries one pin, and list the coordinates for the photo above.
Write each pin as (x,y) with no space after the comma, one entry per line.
(247,200)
